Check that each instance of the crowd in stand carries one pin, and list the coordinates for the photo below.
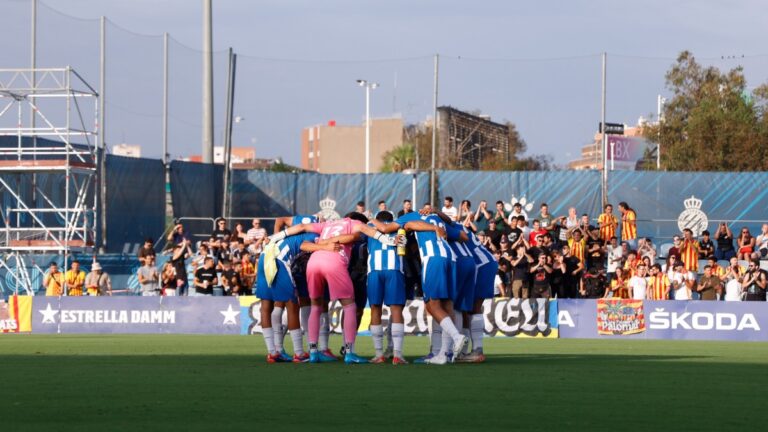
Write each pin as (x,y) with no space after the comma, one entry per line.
(541,255)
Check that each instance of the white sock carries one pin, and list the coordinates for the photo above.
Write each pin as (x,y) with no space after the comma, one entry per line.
(398,334)
(277,326)
(268,339)
(388,332)
(477,326)
(322,343)
(304,318)
(377,333)
(450,334)
(298,341)
(436,337)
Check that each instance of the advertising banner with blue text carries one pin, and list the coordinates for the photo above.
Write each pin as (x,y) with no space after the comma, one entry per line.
(181,315)
(669,319)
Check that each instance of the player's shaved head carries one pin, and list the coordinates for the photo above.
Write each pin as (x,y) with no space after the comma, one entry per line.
(384,216)
(357,216)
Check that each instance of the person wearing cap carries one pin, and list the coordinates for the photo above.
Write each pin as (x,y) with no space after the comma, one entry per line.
(149,278)
(53,281)
(98,283)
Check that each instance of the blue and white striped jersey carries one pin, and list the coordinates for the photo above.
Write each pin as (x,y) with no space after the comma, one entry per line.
(383,257)
(290,246)
(460,249)
(429,243)
(482,255)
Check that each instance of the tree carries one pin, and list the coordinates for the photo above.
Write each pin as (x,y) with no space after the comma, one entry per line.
(399,158)
(711,123)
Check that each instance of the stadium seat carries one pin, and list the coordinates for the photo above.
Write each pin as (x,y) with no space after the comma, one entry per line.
(764,265)
(664,250)
(723,263)
(702,263)
(743,263)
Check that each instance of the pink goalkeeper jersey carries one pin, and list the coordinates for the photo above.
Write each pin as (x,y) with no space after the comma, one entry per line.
(331,229)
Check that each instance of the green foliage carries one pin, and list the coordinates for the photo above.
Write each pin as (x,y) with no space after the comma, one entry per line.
(712,122)
(399,158)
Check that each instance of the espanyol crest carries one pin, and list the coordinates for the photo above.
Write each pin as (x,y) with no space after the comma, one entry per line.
(692,217)
(327,210)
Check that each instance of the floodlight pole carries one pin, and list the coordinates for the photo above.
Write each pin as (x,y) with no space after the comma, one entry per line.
(101,150)
(207,81)
(434,132)
(603,133)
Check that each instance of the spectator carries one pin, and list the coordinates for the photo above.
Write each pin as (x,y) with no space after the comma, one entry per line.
(360,208)
(595,250)
(177,235)
(178,260)
(520,265)
(618,286)
(578,246)
(382,206)
(198,260)
(501,216)
(545,219)
(706,247)
(717,270)
(238,250)
(572,269)
(646,249)
(206,278)
(255,236)
(449,209)
(724,240)
(541,272)
(517,210)
(630,265)
(733,275)
(501,281)
(53,281)
(486,241)
(675,249)
(689,251)
(75,279)
(658,284)
(224,253)
(247,275)
(220,234)
(592,284)
(638,284)
(482,216)
(231,283)
(407,208)
(762,242)
(628,225)
(607,223)
(168,278)
(746,244)
(98,282)
(754,282)
(494,235)
(149,279)
(522,225)
(614,257)
(558,275)
(536,232)
(708,285)
(238,234)
(146,250)
(682,282)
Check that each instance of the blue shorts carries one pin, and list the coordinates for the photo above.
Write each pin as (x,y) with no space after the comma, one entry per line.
(486,275)
(282,288)
(465,284)
(386,287)
(438,279)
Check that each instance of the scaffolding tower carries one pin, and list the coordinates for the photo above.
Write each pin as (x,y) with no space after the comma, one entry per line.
(47,182)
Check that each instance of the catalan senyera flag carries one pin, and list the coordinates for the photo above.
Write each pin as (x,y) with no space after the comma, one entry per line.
(620,317)
(16,315)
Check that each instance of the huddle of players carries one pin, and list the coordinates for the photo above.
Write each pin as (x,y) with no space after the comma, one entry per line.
(457,274)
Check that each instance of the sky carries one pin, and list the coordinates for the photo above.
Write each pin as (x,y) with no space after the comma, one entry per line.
(537,64)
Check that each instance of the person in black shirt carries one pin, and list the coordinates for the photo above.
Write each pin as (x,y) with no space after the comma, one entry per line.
(541,272)
(494,234)
(407,208)
(724,239)
(592,284)
(178,260)
(224,253)
(206,278)
(147,250)
(221,233)
(520,264)
(557,279)
(572,270)
(515,235)
(230,279)
(706,247)
(239,250)
(595,255)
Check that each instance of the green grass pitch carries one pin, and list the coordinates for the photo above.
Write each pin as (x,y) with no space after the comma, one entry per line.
(211,383)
